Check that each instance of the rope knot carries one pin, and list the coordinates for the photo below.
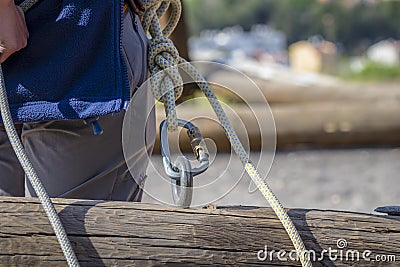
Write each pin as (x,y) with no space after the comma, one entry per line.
(166,82)
(162,54)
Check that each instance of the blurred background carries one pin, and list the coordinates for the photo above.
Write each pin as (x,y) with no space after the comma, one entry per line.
(330,71)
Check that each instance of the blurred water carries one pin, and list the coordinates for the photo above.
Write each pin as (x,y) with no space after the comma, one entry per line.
(357,180)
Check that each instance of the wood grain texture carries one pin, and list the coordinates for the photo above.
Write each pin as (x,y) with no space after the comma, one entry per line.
(318,125)
(132,234)
(288,91)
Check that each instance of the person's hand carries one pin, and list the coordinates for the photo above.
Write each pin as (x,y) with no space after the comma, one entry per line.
(13,31)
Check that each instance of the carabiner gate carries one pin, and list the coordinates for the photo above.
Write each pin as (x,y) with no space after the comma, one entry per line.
(182,172)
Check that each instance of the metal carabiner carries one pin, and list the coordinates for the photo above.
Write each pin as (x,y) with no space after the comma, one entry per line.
(182,172)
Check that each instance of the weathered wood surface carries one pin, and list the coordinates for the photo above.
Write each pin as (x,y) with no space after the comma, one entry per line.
(281,91)
(321,114)
(330,124)
(129,234)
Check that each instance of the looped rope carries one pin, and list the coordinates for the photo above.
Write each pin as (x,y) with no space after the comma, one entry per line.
(155,9)
(163,56)
(166,89)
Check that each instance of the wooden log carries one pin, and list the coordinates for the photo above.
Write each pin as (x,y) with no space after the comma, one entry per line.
(329,124)
(285,91)
(122,234)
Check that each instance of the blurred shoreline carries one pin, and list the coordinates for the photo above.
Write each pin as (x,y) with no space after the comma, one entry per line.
(341,179)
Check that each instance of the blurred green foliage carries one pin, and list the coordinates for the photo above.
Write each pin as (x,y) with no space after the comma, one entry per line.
(354,27)
(373,71)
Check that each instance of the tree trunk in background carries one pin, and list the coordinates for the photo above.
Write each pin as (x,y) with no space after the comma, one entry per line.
(180,36)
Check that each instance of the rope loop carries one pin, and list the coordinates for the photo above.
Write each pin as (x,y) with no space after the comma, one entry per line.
(166,81)
(155,9)
(167,86)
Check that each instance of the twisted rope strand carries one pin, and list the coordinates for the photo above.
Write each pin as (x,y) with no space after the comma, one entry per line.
(163,56)
(30,172)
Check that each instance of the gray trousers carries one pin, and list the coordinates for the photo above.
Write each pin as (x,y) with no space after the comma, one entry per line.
(71,161)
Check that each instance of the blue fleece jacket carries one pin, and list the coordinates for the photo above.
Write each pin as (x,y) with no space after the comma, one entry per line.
(72,67)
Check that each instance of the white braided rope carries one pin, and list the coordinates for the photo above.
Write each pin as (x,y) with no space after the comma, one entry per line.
(163,56)
(30,172)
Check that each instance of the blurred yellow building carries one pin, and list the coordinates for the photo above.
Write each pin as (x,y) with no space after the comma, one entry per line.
(313,56)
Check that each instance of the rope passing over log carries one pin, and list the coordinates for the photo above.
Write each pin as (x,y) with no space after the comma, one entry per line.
(120,234)
(164,59)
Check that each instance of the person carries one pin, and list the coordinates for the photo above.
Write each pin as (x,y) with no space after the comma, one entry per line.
(67,65)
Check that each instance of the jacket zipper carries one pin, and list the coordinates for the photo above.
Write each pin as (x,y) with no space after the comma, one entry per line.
(125,78)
